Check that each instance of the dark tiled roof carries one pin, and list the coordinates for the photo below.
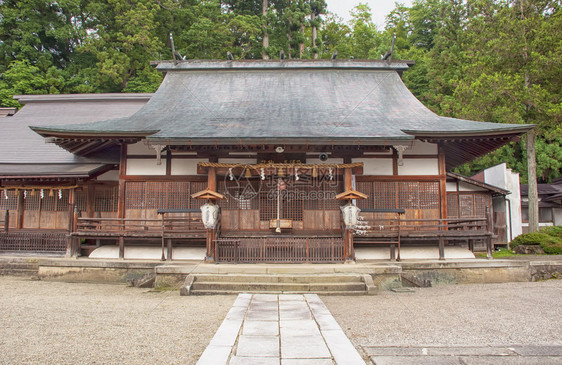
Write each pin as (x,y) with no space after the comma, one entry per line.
(19,144)
(314,101)
(30,170)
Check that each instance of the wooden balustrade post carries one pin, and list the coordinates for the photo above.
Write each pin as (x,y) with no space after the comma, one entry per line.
(7,221)
(441,240)
(489,230)
(163,258)
(398,221)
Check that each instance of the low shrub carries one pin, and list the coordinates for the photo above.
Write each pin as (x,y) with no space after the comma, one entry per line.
(534,238)
(554,231)
(552,248)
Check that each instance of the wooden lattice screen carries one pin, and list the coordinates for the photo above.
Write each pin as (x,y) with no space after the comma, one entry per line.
(418,195)
(308,202)
(153,195)
(11,203)
(468,204)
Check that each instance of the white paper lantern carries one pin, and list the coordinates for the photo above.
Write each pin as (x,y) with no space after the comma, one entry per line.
(210,215)
(350,215)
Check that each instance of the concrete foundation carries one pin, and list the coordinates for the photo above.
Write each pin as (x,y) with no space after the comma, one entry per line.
(385,275)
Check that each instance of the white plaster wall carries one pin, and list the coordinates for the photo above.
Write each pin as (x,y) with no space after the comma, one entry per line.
(112,175)
(503,177)
(557,216)
(375,166)
(422,148)
(463,186)
(145,166)
(419,166)
(184,166)
(451,186)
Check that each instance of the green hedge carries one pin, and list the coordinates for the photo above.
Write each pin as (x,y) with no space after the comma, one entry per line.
(554,231)
(535,238)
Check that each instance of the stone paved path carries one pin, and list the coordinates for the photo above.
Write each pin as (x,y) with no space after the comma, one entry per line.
(465,355)
(279,329)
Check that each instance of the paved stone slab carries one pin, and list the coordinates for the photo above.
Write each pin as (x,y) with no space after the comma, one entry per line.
(303,347)
(227,333)
(306,362)
(416,360)
(302,330)
(238,360)
(260,328)
(258,346)
(537,350)
(291,297)
(214,355)
(469,351)
(242,300)
(510,360)
(342,349)
(280,329)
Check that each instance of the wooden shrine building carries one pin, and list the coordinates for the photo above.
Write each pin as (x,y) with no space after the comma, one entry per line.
(261,161)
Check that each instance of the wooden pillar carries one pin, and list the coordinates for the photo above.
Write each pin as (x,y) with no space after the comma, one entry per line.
(122,173)
(20,210)
(90,200)
(121,247)
(441,248)
(170,248)
(7,221)
(348,252)
(442,183)
(212,185)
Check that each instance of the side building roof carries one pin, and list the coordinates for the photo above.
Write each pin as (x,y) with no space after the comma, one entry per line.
(23,153)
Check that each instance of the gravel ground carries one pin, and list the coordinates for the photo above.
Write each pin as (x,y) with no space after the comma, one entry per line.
(69,323)
(456,315)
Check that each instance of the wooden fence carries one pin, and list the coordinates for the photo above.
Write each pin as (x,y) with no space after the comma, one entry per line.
(280,250)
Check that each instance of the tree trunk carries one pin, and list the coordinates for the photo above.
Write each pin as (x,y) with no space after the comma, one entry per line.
(301,45)
(265,7)
(290,37)
(533,193)
(314,35)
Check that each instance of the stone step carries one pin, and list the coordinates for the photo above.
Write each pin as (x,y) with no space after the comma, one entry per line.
(283,287)
(279,278)
(18,268)
(227,292)
(17,272)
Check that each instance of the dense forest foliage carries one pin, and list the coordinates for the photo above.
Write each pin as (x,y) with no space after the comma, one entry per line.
(488,60)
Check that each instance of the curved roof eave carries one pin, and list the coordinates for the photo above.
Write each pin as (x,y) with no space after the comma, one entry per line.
(84,133)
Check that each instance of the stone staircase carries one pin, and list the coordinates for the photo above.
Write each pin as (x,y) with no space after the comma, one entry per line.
(19,267)
(325,284)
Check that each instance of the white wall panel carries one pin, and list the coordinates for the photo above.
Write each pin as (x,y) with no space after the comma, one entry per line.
(419,166)
(184,166)
(375,166)
(144,166)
